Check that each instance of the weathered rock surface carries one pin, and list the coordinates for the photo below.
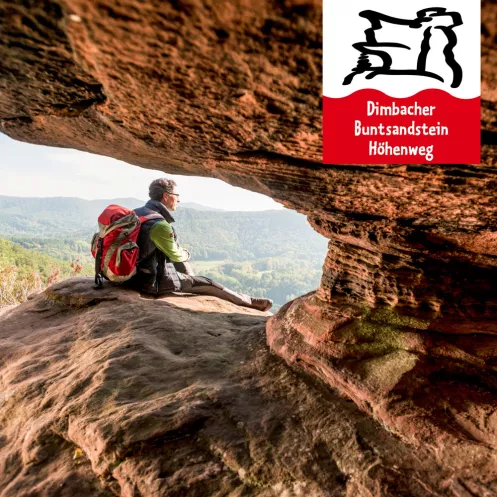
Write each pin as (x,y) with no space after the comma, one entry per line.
(107,393)
(405,319)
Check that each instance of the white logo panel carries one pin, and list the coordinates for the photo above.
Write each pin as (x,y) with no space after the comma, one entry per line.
(401,48)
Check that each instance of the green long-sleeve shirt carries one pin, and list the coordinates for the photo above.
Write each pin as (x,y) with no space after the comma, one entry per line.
(164,238)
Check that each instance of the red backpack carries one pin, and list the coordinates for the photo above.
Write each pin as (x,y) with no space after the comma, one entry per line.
(114,246)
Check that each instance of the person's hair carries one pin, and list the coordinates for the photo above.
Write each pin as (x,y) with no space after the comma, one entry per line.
(160,186)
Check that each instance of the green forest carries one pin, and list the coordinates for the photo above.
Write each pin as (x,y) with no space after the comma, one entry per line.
(274,254)
(23,272)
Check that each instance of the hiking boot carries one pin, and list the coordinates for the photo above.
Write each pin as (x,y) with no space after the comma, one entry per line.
(261,304)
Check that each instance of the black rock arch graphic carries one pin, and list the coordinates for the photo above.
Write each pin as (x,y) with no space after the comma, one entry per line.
(425,20)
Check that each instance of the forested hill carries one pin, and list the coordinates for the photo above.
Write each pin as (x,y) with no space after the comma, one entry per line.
(242,236)
(53,216)
(38,216)
(38,223)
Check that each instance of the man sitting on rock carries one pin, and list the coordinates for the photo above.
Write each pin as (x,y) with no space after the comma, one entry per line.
(163,266)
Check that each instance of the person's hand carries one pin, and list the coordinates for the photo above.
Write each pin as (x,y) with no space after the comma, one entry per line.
(188,255)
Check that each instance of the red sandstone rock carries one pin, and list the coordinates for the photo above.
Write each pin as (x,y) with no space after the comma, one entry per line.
(404,321)
(106,393)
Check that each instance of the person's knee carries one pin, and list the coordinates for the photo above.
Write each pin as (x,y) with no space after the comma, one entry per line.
(184,268)
(204,281)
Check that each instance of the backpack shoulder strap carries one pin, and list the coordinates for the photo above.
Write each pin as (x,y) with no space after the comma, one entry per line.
(99,282)
(150,217)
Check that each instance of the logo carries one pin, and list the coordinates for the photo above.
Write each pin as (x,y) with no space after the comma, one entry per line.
(401,82)
(390,54)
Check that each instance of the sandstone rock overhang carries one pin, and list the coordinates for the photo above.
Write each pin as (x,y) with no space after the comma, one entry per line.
(224,89)
(232,90)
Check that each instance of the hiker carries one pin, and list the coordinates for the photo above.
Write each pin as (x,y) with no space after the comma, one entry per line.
(163,265)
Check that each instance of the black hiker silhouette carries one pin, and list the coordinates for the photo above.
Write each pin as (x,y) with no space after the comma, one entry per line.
(427,21)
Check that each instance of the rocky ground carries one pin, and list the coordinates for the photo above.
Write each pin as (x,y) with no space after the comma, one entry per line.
(108,393)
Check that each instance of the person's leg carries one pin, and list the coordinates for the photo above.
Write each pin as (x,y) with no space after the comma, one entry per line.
(184,267)
(200,285)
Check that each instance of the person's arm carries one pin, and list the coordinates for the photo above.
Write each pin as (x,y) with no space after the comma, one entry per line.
(162,235)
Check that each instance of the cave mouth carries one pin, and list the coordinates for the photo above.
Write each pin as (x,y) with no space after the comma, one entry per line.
(243,240)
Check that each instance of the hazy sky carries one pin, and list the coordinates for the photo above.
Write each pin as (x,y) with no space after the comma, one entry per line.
(35,171)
